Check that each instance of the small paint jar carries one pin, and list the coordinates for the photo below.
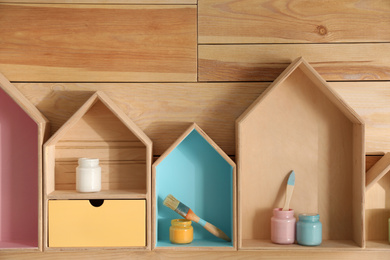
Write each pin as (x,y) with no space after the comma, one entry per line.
(283,226)
(88,175)
(309,230)
(181,231)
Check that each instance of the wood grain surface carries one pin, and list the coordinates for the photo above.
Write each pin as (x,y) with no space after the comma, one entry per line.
(378,171)
(371,101)
(98,42)
(377,206)
(264,62)
(176,2)
(371,160)
(158,109)
(275,254)
(167,109)
(293,21)
(168,63)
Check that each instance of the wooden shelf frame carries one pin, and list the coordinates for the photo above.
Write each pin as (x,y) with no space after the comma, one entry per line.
(299,123)
(106,194)
(207,186)
(377,206)
(99,129)
(23,130)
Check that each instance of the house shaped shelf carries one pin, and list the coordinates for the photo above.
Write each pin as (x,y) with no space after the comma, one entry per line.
(299,123)
(22,132)
(199,174)
(99,129)
(378,205)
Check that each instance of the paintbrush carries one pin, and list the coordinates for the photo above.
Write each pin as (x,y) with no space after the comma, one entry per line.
(289,190)
(184,211)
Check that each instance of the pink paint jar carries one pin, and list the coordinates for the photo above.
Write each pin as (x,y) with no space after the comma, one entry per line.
(283,226)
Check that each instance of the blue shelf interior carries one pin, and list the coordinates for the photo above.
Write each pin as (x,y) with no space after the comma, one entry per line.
(198,176)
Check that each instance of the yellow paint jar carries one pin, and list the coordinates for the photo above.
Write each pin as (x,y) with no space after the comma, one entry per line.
(181,231)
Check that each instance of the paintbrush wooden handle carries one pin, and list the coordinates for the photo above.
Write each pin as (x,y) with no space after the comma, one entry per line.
(184,211)
(206,225)
(289,192)
(216,231)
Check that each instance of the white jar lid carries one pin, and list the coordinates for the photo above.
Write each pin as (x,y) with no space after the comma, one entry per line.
(88,162)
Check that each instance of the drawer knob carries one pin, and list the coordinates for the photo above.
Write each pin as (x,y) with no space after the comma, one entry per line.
(96,202)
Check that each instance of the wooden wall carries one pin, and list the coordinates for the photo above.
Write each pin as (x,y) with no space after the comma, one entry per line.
(168,63)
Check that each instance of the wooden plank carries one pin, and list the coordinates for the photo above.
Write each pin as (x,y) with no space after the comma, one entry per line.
(98,144)
(371,160)
(263,21)
(378,244)
(325,245)
(93,127)
(24,103)
(210,255)
(104,153)
(98,42)
(378,211)
(380,169)
(371,100)
(104,194)
(335,62)
(163,111)
(358,185)
(141,2)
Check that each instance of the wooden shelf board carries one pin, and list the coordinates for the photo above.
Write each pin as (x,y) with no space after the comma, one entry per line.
(64,249)
(197,244)
(18,245)
(104,194)
(251,244)
(378,170)
(378,244)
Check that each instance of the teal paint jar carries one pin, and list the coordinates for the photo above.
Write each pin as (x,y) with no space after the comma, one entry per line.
(309,230)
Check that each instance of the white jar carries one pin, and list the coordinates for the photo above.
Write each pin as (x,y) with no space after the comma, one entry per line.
(88,175)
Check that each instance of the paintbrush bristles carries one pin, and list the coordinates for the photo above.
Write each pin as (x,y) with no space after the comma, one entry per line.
(175,205)
(171,202)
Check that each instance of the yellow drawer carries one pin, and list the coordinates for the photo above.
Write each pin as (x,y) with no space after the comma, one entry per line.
(116,223)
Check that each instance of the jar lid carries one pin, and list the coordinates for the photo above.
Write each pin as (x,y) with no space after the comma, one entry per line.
(309,216)
(278,212)
(181,222)
(87,162)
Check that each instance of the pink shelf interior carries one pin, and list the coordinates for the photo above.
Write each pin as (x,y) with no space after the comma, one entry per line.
(18,176)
